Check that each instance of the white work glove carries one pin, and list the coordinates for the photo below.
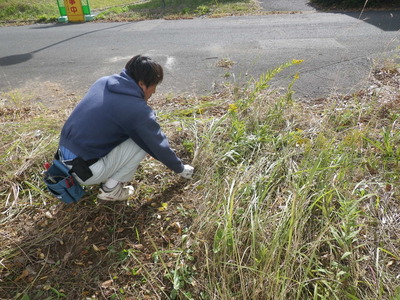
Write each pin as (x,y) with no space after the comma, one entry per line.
(187,172)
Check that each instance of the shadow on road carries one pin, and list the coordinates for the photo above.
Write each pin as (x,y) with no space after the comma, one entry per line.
(385,20)
(15,59)
(23,57)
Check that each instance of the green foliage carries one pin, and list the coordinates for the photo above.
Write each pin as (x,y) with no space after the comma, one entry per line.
(202,10)
(247,135)
(173,9)
(45,11)
(15,10)
(112,11)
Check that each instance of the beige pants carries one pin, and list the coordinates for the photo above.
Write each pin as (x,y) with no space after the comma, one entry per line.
(120,164)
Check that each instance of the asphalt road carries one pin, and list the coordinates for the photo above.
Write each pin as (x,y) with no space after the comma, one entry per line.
(338,50)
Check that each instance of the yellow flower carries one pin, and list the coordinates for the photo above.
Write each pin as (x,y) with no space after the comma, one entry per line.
(232,108)
(297,61)
(296,76)
(163,206)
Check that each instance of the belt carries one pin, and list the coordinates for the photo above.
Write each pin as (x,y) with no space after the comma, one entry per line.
(88,162)
(70,162)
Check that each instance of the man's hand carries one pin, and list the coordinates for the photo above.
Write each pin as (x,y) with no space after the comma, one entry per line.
(187,172)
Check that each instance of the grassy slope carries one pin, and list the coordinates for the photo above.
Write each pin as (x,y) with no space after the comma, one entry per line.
(289,201)
(35,9)
(41,10)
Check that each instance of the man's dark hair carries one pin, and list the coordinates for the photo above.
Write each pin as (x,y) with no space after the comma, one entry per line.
(142,68)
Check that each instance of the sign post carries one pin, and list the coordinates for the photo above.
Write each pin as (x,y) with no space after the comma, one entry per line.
(74,11)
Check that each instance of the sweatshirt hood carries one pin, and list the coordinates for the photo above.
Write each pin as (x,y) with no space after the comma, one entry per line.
(123,84)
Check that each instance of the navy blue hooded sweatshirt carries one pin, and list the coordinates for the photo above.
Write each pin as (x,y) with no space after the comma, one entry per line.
(113,111)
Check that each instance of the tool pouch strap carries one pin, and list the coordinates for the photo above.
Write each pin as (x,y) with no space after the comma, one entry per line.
(80,166)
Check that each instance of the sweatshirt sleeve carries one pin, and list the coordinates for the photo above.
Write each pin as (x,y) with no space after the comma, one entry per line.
(151,139)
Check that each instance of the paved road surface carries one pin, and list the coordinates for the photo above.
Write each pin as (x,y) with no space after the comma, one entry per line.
(338,50)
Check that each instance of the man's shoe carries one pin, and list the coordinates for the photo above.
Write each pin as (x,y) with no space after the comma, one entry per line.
(119,193)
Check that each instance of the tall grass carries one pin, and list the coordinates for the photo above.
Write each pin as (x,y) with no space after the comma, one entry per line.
(295,197)
(29,135)
(293,200)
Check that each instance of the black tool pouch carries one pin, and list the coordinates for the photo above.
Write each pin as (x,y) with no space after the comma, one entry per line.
(81,168)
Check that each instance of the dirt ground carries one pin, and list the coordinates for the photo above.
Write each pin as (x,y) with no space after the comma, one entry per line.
(94,249)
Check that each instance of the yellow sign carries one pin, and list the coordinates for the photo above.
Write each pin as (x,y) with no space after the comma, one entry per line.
(74,10)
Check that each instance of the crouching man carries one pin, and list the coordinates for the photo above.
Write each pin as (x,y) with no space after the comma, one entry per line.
(112,129)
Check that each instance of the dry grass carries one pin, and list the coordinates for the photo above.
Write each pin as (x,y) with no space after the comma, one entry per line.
(290,201)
